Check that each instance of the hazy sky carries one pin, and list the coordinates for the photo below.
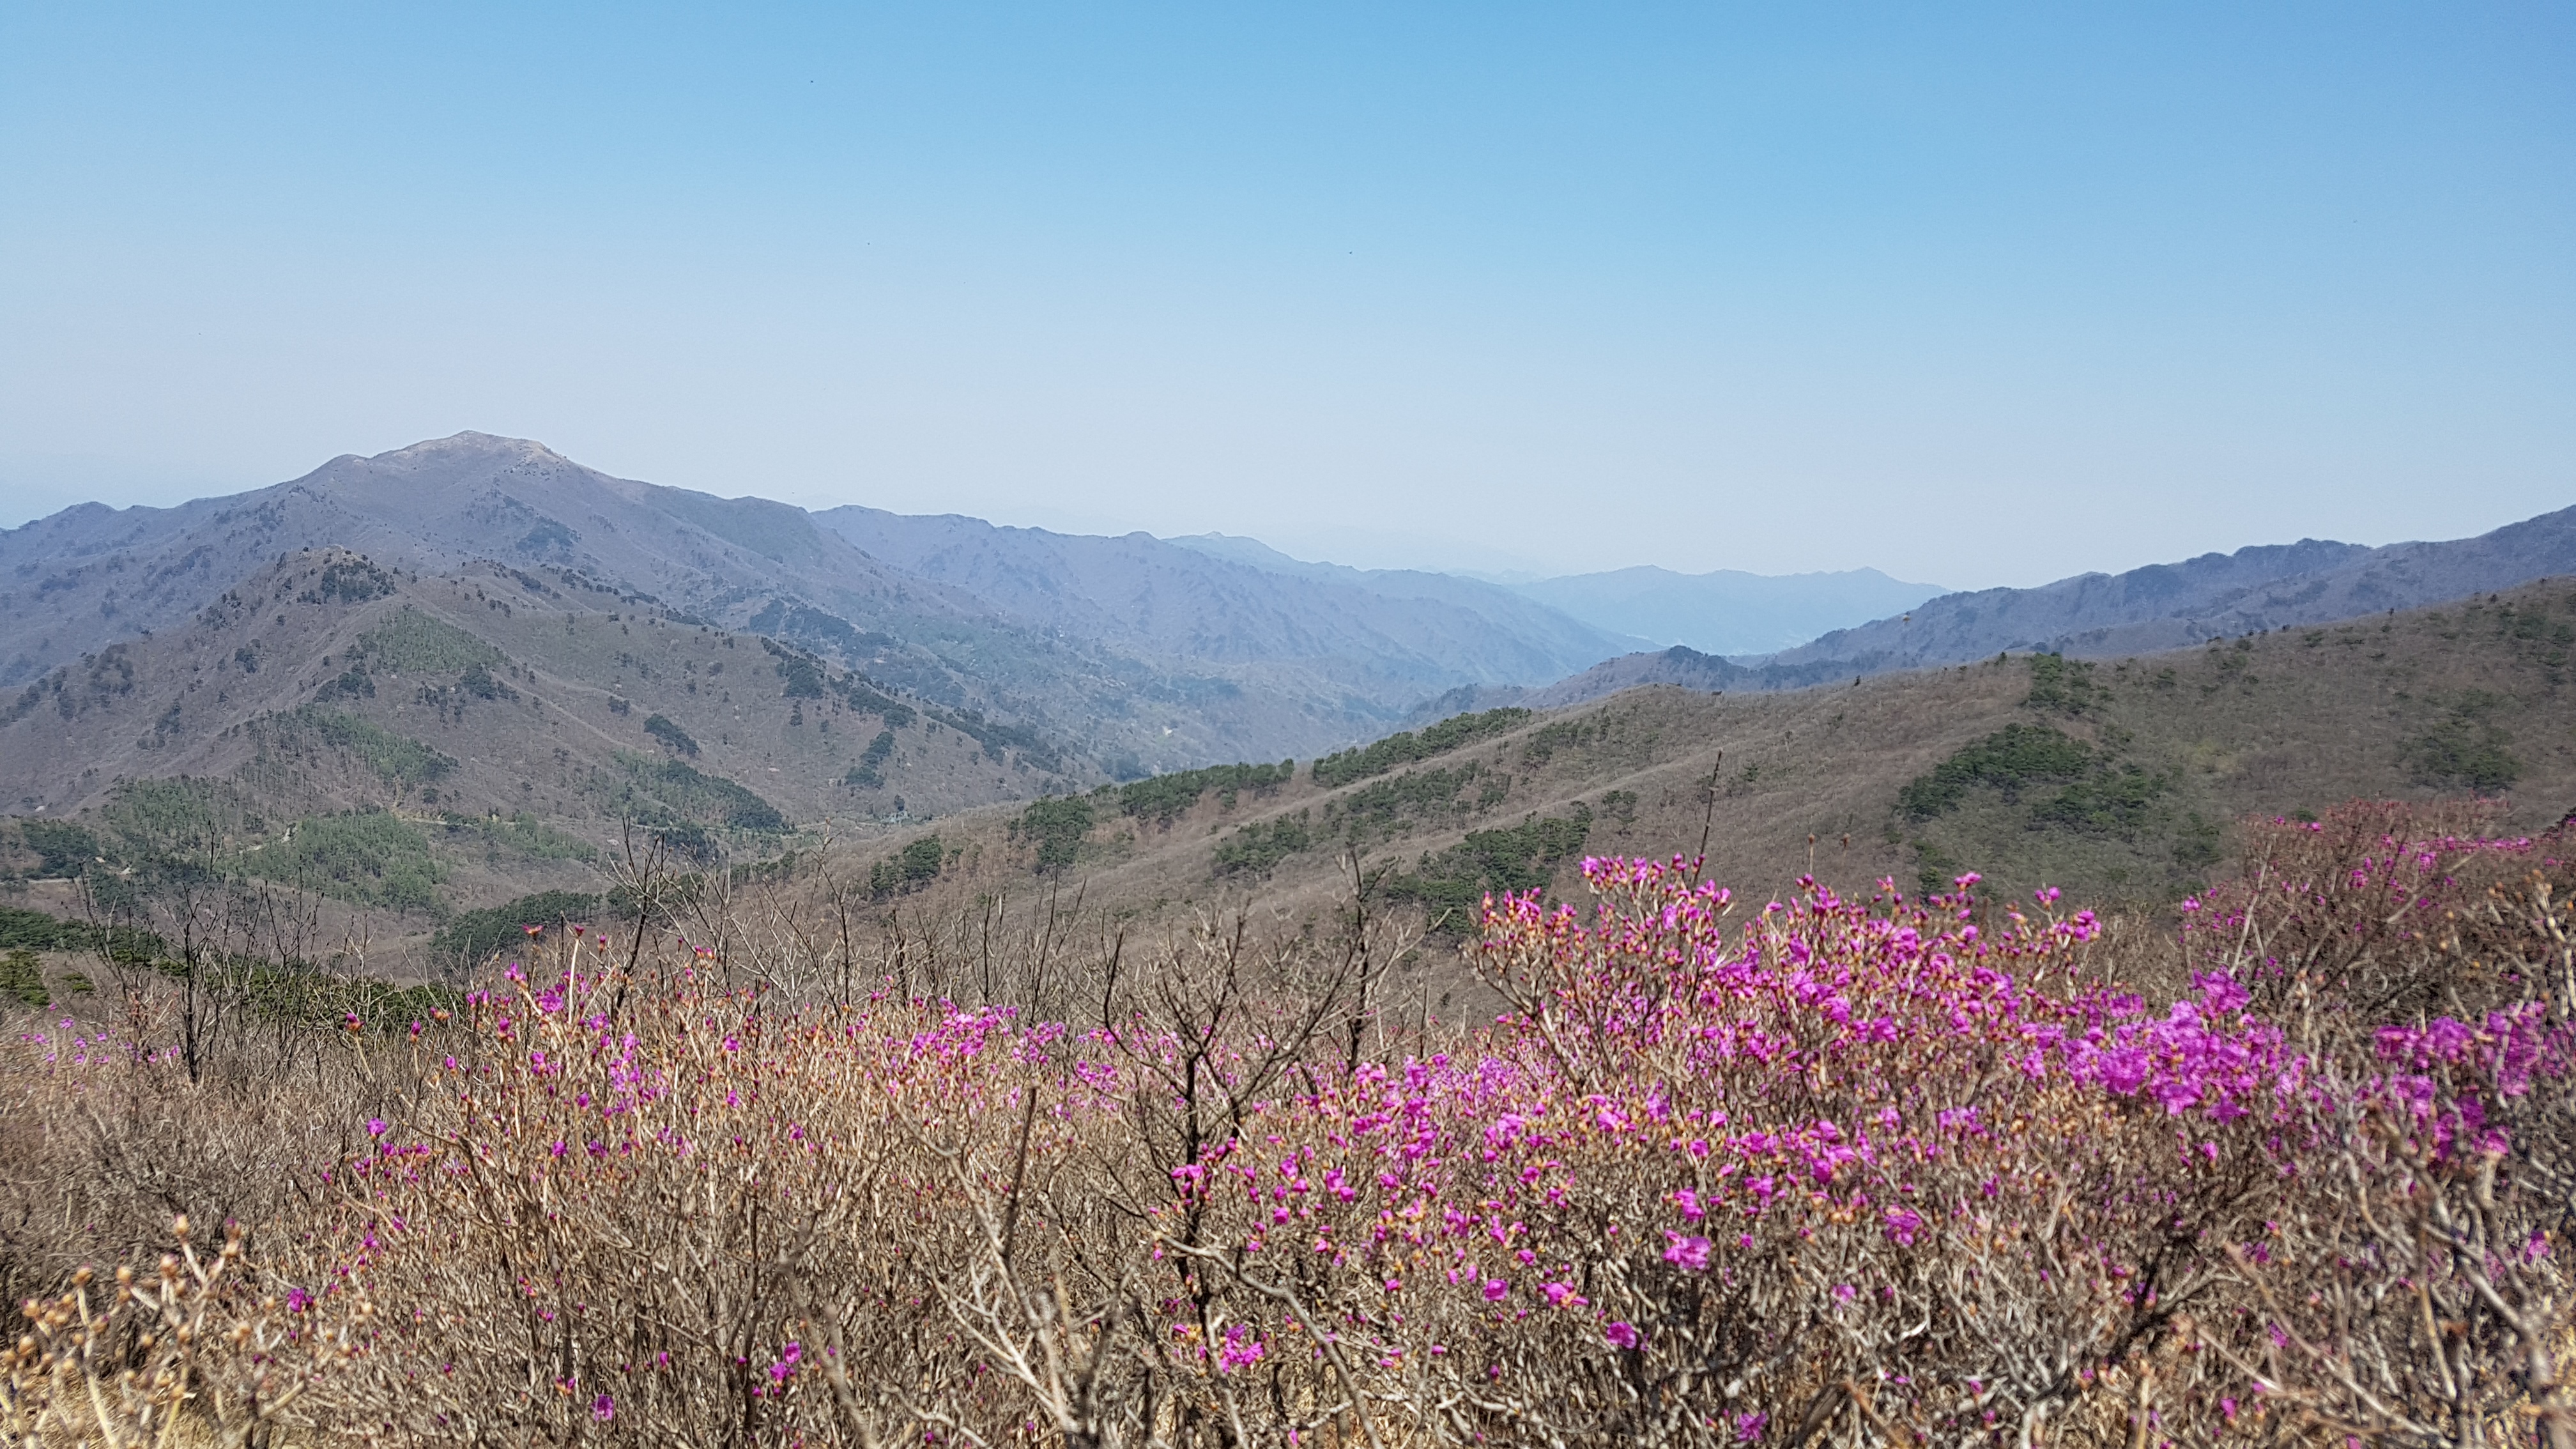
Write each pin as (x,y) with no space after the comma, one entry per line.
(1973,295)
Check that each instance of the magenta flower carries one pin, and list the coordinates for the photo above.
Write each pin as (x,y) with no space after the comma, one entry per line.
(1690,1252)
(1240,1350)
(1496,1290)
(1623,1335)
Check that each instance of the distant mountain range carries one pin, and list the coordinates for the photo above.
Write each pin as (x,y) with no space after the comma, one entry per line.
(1131,654)
(1313,630)
(1094,657)
(533,706)
(1723,612)
(2101,616)
(2163,606)
(1727,612)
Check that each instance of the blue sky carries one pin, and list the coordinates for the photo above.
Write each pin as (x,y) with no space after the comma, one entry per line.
(1971,294)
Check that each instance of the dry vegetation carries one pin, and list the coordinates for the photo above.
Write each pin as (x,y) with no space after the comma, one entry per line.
(494,691)
(1218,1108)
(532,789)
(739,1166)
(2177,748)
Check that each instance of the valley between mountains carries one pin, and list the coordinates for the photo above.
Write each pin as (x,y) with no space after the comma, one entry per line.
(423,690)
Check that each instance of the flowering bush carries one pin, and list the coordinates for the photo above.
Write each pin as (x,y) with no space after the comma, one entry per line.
(1837,1170)
(2389,912)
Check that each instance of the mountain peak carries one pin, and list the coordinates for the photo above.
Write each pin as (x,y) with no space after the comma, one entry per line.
(470,445)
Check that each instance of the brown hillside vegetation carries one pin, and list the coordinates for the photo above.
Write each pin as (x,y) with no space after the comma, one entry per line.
(2118,781)
(1154,654)
(402,746)
(529,681)
(1139,1117)
(1834,1171)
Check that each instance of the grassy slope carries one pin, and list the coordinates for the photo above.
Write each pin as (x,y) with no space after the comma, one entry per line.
(2288,721)
(2292,720)
(464,696)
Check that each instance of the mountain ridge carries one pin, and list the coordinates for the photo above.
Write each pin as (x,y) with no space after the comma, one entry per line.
(2254,590)
(80,580)
(1465,631)
(1144,654)
(1141,654)
(2160,606)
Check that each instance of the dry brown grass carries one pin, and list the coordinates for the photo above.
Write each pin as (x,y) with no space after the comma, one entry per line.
(751,1175)
(2295,721)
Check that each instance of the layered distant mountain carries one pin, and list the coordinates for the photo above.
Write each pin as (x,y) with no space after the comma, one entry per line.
(2163,606)
(1722,612)
(323,682)
(2098,616)
(472,669)
(1125,655)
(1386,636)
(1068,658)
(1728,611)
(91,575)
